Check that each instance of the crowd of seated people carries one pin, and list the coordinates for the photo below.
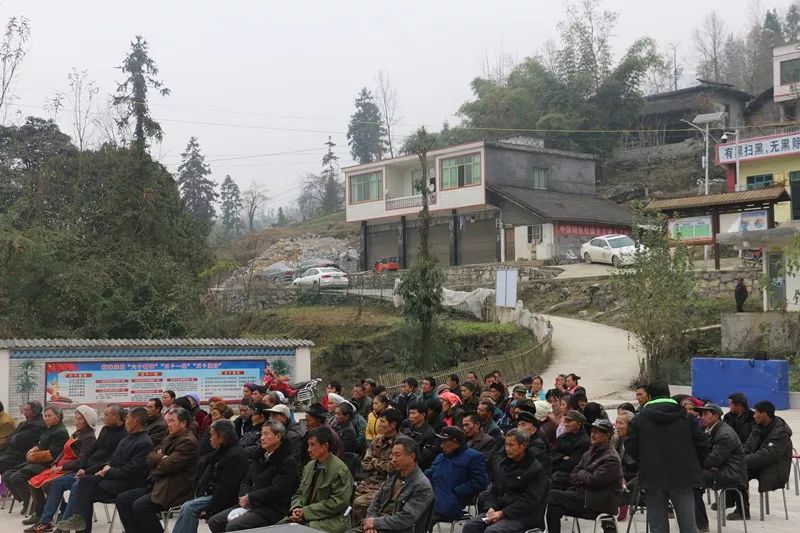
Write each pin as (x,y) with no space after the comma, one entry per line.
(524,456)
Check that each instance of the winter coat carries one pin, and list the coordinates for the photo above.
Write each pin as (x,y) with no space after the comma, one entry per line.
(363,406)
(726,458)
(294,436)
(410,505)
(768,453)
(173,468)
(402,402)
(540,450)
(347,434)
(128,464)
(156,427)
(7,426)
(599,474)
(377,464)
(222,476)
(629,465)
(742,424)
(52,439)
(493,430)
(668,445)
(427,442)
(360,428)
(457,479)
(242,425)
(372,428)
(107,442)
(24,438)
(270,483)
(82,447)
(567,453)
(486,445)
(331,498)
(519,489)
(251,442)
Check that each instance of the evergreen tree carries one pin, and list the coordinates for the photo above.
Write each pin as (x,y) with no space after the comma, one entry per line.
(231,200)
(366,133)
(791,28)
(332,197)
(132,94)
(282,220)
(197,190)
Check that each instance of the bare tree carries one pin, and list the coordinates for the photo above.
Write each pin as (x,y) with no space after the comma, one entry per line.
(252,199)
(54,104)
(709,40)
(12,52)
(387,102)
(107,123)
(82,96)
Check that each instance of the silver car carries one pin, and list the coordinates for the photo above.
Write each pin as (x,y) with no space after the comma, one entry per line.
(322,277)
(618,250)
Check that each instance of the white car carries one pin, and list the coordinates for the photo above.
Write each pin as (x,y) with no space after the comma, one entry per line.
(322,277)
(617,250)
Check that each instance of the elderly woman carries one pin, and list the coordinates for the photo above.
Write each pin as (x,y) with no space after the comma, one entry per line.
(342,424)
(72,458)
(452,412)
(356,420)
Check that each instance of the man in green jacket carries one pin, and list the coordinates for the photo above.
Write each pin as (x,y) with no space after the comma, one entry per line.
(323,499)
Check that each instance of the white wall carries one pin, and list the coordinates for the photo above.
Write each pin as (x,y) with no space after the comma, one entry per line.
(5,378)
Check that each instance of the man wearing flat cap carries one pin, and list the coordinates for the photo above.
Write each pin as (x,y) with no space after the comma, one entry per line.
(569,448)
(595,485)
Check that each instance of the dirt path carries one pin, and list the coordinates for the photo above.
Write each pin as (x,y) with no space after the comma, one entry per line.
(602,355)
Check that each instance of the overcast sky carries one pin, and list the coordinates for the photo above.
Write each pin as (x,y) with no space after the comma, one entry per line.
(259,77)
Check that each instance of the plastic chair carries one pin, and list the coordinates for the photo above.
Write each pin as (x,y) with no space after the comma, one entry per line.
(464,517)
(719,498)
(167,515)
(796,465)
(598,521)
(763,503)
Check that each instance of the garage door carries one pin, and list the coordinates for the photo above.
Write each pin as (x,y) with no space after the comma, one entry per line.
(477,242)
(438,241)
(381,244)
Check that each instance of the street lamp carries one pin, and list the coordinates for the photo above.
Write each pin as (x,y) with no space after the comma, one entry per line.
(706,119)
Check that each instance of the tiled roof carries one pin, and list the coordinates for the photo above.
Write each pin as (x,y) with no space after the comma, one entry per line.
(767,194)
(559,206)
(151,343)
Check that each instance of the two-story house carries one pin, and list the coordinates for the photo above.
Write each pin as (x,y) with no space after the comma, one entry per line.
(491,201)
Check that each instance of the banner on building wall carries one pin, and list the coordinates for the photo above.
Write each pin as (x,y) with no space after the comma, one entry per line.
(752,220)
(691,230)
(757,148)
(589,230)
(123,383)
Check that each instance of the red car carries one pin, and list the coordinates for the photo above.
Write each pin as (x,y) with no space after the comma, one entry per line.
(386,264)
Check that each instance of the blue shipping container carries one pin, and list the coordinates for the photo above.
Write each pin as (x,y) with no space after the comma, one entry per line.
(717,378)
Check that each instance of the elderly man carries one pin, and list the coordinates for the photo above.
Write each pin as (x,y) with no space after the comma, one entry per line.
(103,481)
(156,425)
(477,439)
(670,447)
(173,470)
(294,434)
(325,490)
(486,410)
(515,501)
(24,437)
(377,463)
(768,453)
(458,475)
(724,466)
(242,422)
(403,498)
(360,400)
(595,485)
(267,488)
(538,446)
(569,448)
(250,440)
(740,416)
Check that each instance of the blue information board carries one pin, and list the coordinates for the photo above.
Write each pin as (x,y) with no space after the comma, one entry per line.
(716,378)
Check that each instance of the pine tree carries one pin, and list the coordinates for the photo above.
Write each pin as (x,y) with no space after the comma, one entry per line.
(791,28)
(197,190)
(366,133)
(132,94)
(231,200)
(332,197)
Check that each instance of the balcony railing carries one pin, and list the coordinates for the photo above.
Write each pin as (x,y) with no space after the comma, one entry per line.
(403,202)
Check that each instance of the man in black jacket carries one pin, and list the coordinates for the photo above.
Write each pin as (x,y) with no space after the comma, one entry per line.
(251,440)
(218,486)
(516,499)
(569,448)
(768,453)
(595,483)
(242,422)
(126,470)
(156,425)
(268,486)
(670,447)
(25,437)
(422,433)
(294,434)
(740,416)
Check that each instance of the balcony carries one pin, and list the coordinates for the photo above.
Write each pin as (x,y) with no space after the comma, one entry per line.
(404,202)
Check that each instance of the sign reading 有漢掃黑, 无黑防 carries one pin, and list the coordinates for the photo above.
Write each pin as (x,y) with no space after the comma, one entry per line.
(757,148)
(134,383)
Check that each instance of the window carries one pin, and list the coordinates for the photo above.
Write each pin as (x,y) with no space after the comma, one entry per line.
(535,234)
(461,171)
(540,178)
(759,182)
(790,71)
(366,187)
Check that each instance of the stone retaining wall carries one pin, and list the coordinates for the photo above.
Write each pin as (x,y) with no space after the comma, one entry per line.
(466,277)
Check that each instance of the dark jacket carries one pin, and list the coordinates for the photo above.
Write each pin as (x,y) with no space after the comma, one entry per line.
(486,445)
(242,425)
(401,402)
(493,430)
(567,453)
(347,434)
(156,427)
(271,482)
(82,447)
(363,407)
(519,489)
(128,464)
(427,442)
(599,474)
(629,465)
(251,442)
(742,424)
(668,444)
(410,505)
(470,406)
(294,436)
(768,453)
(539,448)
(53,439)
(104,448)
(457,479)
(25,437)
(173,469)
(726,458)
(222,476)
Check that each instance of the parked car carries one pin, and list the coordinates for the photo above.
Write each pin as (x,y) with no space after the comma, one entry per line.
(314,263)
(618,250)
(322,277)
(387,263)
(278,273)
